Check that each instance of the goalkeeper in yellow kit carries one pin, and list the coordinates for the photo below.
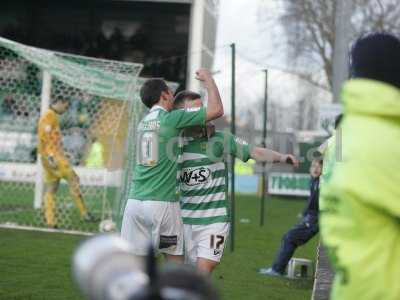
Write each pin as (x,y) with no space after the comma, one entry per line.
(55,163)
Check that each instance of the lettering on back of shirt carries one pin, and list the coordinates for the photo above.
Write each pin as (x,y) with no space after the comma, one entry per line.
(150,125)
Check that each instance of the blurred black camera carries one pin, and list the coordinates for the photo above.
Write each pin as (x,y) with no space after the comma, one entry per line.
(105,269)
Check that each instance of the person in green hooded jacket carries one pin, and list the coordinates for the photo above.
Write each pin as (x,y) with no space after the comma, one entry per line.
(360,220)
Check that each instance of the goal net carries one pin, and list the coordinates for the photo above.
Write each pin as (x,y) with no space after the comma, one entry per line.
(96,133)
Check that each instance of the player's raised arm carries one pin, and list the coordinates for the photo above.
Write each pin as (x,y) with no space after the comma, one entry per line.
(260,154)
(215,108)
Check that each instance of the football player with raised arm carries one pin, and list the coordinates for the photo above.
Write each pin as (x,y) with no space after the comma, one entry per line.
(203,185)
(152,213)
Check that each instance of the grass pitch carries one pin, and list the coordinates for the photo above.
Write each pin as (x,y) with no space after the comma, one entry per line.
(37,266)
(16,206)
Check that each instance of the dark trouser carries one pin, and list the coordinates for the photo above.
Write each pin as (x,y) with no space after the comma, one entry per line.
(295,237)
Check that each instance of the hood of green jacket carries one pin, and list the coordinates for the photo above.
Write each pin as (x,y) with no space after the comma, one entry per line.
(370,97)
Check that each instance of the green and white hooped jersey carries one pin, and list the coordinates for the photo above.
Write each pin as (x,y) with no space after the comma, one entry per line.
(157,144)
(203,177)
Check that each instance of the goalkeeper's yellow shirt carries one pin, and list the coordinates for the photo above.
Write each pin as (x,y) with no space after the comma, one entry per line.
(49,136)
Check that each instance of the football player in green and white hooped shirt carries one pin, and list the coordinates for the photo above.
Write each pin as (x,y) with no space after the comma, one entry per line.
(152,213)
(203,185)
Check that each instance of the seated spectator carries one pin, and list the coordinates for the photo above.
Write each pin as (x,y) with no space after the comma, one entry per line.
(303,231)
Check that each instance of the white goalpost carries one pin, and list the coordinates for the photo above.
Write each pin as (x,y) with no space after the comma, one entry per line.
(44,105)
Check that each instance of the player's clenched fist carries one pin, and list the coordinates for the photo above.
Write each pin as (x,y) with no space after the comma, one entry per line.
(203,75)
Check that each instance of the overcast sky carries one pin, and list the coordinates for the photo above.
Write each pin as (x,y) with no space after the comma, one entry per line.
(260,44)
(239,23)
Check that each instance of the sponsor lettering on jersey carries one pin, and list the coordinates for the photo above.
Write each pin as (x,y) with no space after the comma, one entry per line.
(192,177)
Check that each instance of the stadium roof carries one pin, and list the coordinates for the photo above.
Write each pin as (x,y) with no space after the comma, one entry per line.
(166,1)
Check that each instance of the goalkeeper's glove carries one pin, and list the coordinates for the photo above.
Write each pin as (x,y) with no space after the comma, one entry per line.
(52,161)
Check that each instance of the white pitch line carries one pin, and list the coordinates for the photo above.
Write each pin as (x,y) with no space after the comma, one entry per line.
(40,229)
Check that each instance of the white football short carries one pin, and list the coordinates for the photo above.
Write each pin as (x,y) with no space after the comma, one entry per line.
(155,222)
(205,241)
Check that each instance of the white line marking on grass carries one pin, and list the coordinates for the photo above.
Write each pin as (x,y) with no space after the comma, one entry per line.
(41,229)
